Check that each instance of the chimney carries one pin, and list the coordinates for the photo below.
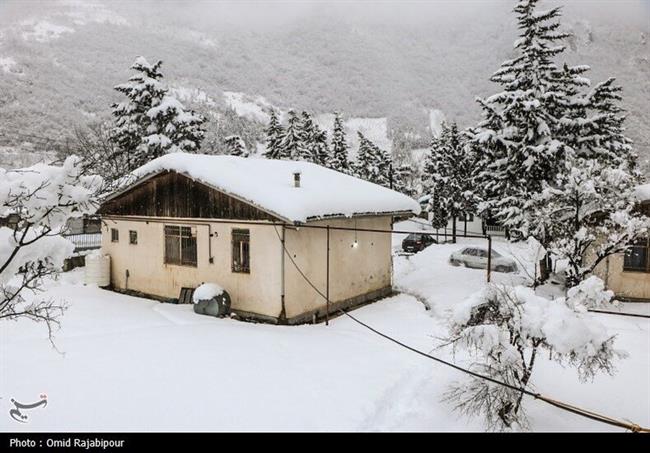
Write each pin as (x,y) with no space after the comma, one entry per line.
(296,179)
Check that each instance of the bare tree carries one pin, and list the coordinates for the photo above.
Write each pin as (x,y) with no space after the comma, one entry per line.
(100,154)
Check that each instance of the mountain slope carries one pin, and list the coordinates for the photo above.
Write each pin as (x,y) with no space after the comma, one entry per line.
(60,60)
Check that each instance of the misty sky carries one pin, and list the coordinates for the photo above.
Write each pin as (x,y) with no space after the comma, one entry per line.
(270,14)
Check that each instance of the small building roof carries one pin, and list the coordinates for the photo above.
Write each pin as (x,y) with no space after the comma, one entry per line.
(269,185)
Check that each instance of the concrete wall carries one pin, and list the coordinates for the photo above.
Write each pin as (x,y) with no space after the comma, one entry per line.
(356,272)
(625,284)
(257,292)
(364,269)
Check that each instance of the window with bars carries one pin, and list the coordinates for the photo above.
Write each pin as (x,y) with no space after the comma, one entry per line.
(133,237)
(180,245)
(115,235)
(637,257)
(241,261)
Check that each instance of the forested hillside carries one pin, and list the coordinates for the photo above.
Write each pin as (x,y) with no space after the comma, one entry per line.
(59,61)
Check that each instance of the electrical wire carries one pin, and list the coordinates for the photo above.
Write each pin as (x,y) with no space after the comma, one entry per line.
(556,403)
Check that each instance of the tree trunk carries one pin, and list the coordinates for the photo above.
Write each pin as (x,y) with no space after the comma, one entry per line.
(545,266)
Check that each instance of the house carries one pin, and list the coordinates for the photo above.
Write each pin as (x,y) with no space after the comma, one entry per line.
(10,220)
(628,274)
(259,228)
(86,224)
(464,225)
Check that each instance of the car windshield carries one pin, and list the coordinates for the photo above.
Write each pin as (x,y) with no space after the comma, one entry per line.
(416,237)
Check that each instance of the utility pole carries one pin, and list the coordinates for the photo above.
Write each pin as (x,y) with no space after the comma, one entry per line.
(489,263)
(327,283)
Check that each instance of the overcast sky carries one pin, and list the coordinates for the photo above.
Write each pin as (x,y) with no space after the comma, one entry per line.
(260,14)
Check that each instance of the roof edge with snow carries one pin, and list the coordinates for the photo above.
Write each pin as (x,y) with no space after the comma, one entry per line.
(267,185)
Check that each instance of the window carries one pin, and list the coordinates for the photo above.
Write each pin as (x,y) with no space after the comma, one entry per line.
(636,257)
(180,245)
(466,217)
(241,261)
(115,235)
(133,237)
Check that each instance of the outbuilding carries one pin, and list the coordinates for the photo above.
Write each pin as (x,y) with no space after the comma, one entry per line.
(628,274)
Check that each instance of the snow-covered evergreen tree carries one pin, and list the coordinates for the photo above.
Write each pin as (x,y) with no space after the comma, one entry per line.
(293,142)
(339,159)
(598,133)
(143,90)
(402,181)
(172,129)
(373,164)
(151,122)
(235,146)
(319,146)
(520,139)
(448,176)
(315,140)
(274,134)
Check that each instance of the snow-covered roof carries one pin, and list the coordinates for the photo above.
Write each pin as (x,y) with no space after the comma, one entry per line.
(269,185)
(642,192)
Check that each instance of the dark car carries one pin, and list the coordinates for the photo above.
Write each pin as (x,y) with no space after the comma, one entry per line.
(416,242)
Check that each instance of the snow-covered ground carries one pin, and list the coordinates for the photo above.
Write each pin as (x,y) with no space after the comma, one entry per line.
(131,364)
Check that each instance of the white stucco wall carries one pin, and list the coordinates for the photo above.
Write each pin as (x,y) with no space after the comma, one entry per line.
(354,271)
(257,292)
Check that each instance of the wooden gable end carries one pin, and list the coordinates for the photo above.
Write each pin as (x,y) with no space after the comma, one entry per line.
(171,194)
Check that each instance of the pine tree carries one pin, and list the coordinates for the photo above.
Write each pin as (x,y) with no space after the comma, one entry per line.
(235,146)
(338,159)
(448,180)
(273,137)
(520,138)
(143,91)
(402,179)
(172,129)
(151,122)
(373,164)
(362,167)
(320,148)
(600,134)
(292,144)
(315,140)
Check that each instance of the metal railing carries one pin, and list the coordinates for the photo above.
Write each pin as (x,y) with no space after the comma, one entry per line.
(495,230)
(85,241)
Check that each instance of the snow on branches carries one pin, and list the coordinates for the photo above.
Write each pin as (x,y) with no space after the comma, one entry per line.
(42,198)
(589,215)
(504,328)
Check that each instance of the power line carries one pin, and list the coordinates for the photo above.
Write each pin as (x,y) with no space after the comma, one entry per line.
(636,315)
(553,402)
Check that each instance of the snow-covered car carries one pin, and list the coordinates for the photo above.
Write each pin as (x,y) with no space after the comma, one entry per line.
(416,242)
(477,257)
